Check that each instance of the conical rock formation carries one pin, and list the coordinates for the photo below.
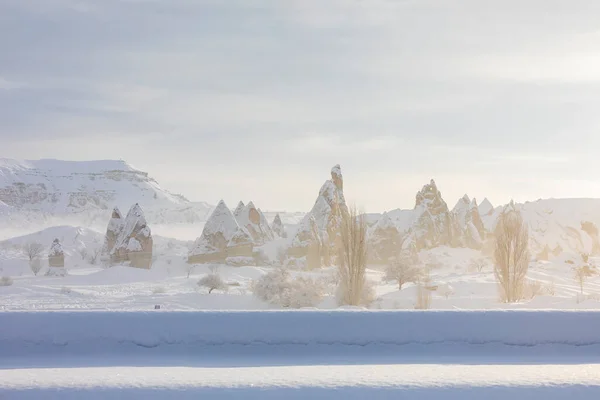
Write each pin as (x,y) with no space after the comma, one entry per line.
(327,213)
(278,228)
(56,259)
(255,223)
(469,222)
(435,224)
(221,237)
(134,242)
(384,240)
(115,226)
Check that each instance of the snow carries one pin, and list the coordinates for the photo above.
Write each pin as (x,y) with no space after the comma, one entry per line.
(299,355)
(495,382)
(133,245)
(41,193)
(73,331)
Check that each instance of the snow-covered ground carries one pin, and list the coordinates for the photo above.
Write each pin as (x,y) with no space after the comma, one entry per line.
(299,355)
(172,283)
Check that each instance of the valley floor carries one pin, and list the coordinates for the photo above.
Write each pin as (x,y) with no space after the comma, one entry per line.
(460,286)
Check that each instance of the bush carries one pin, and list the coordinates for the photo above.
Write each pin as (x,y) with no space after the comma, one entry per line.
(158,290)
(278,289)
(6,281)
(212,282)
(533,289)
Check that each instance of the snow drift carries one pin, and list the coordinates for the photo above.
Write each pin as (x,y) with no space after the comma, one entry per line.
(24,333)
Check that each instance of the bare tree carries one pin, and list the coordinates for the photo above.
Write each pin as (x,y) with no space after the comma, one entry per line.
(190,268)
(478,264)
(511,254)
(402,270)
(83,252)
(33,250)
(582,273)
(94,255)
(424,290)
(352,260)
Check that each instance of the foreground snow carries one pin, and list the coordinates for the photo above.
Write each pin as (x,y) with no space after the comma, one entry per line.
(300,355)
(306,382)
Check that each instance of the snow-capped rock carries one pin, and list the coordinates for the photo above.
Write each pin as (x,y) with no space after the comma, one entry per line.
(255,223)
(327,212)
(239,209)
(37,190)
(305,249)
(115,226)
(134,241)
(221,236)
(56,255)
(277,227)
(384,240)
(486,207)
(434,223)
(470,224)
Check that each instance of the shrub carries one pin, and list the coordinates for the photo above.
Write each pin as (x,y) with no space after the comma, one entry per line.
(212,282)
(158,290)
(278,289)
(533,289)
(6,281)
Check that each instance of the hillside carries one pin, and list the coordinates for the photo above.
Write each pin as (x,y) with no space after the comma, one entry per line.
(40,191)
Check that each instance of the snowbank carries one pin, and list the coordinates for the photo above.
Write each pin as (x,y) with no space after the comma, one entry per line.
(106,331)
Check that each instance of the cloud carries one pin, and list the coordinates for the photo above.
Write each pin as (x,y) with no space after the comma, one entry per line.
(400,90)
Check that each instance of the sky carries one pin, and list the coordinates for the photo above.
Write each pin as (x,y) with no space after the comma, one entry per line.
(257,100)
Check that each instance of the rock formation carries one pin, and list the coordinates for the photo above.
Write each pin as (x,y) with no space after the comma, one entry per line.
(115,226)
(255,223)
(134,242)
(56,259)
(470,225)
(221,238)
(128,239)
(434,223)
(278,228)
(306,247)
(384,240)
(238,210)
(486,207)
(327,213)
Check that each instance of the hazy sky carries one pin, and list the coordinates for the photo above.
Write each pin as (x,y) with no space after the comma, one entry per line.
(258,99)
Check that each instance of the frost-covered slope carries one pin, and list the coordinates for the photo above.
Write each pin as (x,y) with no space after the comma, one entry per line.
(37,190)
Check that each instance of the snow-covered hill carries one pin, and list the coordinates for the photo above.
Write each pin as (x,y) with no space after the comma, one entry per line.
(41,191)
